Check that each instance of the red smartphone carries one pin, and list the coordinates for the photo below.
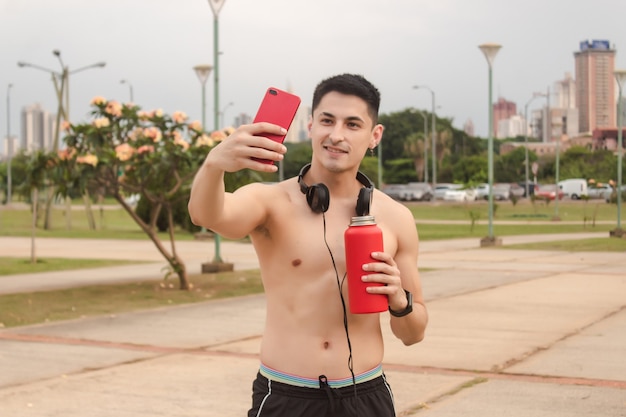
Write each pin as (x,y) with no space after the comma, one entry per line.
(277,107)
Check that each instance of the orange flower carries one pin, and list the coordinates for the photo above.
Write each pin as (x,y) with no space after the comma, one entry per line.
(195,125)
(145,149)
(101,122)
(178,140)
(113,108)
(98,100)
(143,115)
(153,133)
(179,117)
(204,140)
(218,135)
(65,125)
(124,152)
(88,159)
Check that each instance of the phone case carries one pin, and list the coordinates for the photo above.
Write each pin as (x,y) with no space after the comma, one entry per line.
(277,107)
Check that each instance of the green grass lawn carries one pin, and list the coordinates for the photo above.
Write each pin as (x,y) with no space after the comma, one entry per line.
(568,211)
(22,309)
(10,266)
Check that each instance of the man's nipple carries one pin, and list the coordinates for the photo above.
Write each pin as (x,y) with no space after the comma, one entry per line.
(296,262)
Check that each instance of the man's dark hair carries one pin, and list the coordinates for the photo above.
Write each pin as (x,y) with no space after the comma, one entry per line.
(350,84)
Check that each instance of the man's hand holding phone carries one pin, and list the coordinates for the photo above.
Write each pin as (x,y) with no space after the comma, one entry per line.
(248,147)
(259,145)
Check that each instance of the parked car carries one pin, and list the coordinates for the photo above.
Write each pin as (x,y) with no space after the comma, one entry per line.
(440,190)
(517,190)
(600,191)
(531,187)
(459,193)
(482,191)
(501,191)
(418,191)
(548,192)
(395,191)
(574,188)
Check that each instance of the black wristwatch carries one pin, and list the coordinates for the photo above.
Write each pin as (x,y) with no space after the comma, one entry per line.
(407,309)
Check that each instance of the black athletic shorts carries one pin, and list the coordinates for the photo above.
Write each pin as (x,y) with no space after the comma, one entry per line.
(273,399)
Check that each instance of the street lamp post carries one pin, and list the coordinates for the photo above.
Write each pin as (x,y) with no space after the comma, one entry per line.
(620,76)
(490,50)
(433,133)
(216,6)
(223,113)
(203,72)
(535,95)
(130,89)
(62,90)
(9,145)
(425,145)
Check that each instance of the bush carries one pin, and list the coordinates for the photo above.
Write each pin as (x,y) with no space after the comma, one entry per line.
(180,214)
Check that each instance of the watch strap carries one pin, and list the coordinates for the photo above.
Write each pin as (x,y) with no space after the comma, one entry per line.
(407,310)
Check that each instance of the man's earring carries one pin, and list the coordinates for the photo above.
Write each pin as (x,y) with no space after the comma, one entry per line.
(371,151)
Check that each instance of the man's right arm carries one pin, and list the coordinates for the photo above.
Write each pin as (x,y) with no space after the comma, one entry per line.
(234,215)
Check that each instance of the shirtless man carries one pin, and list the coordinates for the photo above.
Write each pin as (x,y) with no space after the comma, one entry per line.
(312,364)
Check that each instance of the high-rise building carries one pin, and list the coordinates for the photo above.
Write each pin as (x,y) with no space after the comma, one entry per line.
(565,93)
(512,127)
(38,127)
(595,85)
(502,109)
(468,127)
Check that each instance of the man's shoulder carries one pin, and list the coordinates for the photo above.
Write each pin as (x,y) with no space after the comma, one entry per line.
(390,207)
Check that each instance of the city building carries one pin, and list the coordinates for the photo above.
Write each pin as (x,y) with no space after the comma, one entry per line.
(38,128)
(512,127)
(468,127)
(298,132)
(242,119)
(502,109)
(595,85)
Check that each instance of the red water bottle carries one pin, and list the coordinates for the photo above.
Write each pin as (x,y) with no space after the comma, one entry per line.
(361,239)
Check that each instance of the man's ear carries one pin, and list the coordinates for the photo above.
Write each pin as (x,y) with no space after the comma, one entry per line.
(377,135)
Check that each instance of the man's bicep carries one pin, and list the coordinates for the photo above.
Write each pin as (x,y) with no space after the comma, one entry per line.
(244,211)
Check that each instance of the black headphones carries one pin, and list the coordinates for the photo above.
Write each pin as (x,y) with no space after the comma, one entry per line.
(318,196)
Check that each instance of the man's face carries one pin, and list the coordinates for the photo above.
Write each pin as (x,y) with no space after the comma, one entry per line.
(341,131)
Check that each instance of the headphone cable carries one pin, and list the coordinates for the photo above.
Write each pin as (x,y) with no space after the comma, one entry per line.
(343,306)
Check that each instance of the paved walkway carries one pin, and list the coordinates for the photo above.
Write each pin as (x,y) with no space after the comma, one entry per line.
(512,332)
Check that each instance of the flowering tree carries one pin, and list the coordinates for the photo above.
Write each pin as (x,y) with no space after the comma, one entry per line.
(127,151)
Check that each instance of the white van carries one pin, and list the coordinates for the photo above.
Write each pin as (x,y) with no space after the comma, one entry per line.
(574,188)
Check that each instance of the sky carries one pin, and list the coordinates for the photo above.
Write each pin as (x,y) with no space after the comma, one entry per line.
(294,44)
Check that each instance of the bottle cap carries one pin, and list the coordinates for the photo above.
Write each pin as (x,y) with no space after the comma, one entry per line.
(362,220)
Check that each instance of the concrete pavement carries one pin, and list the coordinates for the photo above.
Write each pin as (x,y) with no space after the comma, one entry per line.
(512,332)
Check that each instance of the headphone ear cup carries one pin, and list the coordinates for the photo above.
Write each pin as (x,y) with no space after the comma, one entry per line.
(364,201)
(318,197)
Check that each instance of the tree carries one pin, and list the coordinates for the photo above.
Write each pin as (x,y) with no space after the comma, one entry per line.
(37,171)
(127,151)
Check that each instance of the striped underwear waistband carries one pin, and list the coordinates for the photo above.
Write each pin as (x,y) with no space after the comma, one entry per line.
(299,381)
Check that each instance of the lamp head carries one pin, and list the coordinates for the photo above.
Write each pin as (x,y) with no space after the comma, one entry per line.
(203,71)
(22,64)
(100,64)
(56,53)
(490,50)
